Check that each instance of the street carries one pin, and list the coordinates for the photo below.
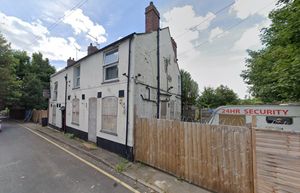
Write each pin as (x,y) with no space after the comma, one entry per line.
(28,163)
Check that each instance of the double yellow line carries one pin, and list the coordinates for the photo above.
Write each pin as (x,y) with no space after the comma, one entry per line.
(84,161)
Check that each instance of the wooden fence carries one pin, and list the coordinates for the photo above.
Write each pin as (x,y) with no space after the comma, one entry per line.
(37,115)
(218,158)
(277,161)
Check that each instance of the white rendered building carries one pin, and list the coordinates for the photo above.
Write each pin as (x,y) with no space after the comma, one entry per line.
(97,97)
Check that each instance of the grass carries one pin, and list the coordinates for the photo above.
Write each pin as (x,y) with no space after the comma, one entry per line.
(70,135)
(120,167)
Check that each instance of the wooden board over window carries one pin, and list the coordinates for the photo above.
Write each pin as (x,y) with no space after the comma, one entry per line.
(109,115)
(234,120)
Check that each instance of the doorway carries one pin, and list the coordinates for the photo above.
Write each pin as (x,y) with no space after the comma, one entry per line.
(92,130)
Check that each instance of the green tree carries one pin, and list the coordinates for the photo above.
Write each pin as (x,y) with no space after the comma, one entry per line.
(273,72)
(213,98)
(7,83)
(22,64)
(22,79)
(35,78)
(189,89)
(32,96)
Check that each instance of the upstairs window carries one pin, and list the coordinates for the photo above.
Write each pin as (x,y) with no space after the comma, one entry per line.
(55,91)
(76,76)
(110,67)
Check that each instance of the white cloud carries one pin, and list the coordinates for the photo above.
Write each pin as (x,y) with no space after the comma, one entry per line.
(34,37)
(209,64)
(216,32)
(185,26)
(250,39)
(83,24)
(245,8)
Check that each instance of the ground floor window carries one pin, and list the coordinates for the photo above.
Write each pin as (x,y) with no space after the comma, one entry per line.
(75,111)
(109,115)
(163,110)
(54,114)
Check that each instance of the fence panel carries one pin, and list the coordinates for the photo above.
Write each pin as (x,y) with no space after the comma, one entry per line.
(37,115)
(214,157)
(277,161)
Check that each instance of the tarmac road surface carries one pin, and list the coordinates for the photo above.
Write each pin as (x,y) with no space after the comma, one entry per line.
(30,164)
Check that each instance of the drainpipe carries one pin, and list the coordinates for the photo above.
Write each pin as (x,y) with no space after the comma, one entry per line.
(65,121)
(158,75)
(127,109)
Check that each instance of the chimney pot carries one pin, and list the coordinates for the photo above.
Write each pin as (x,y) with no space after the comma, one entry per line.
(70,61)
(91,49)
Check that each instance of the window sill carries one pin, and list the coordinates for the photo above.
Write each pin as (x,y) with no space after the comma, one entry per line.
(75,123)
(108,132)
(110,81)
(75,88)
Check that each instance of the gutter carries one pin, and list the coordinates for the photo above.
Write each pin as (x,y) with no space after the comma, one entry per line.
(158,75)
(128,88)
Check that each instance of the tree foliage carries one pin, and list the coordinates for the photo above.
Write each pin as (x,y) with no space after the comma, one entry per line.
(7,83)
(273,72)
(189,89)
(213,98)
(22,79)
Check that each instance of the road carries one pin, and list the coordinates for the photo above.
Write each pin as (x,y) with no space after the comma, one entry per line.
(28,163)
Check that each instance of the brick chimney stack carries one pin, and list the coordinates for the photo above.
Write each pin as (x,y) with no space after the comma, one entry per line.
(91,49)
(70,61)
(152,18)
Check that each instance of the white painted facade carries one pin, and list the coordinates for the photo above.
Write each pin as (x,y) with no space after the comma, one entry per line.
(143,82)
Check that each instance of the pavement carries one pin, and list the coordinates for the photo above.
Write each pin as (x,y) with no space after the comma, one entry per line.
(143,175)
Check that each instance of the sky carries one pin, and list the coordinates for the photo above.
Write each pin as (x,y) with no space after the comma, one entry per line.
(212,35)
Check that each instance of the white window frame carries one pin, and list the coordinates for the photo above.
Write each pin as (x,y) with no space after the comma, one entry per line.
(111,64)
(55,91)
(76,77)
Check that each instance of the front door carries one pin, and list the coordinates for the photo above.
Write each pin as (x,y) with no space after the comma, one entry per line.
(92,133)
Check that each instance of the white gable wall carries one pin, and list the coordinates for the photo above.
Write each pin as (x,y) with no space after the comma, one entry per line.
(146,65)
(59,77)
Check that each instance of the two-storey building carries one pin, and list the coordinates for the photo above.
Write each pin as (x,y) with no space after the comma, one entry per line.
(97,97)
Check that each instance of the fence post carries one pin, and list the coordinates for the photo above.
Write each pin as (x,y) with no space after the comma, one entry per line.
(253,153)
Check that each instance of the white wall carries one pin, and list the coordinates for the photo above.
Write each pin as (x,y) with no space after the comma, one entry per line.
(60,78)
(144,62)
(146,65)
(91,82)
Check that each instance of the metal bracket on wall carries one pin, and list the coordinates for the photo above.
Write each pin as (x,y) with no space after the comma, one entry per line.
(149,100)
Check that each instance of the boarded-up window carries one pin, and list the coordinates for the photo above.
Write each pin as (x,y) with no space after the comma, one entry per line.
(163,110)
(75,111)
(179,85)
(54,114)
(234,120)
(172,109)
(109,114)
